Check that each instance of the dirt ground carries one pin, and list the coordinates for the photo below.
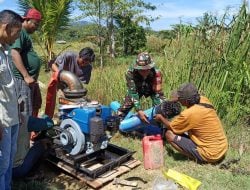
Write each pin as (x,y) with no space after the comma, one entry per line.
(58,179)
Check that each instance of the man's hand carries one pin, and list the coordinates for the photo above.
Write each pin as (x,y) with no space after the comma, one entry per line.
(162,119)
(17,60)
(143,116)
(29,80)
(158,117)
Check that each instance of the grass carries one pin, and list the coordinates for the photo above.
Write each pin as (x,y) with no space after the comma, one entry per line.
(220,67)
(107,84)
(236,176)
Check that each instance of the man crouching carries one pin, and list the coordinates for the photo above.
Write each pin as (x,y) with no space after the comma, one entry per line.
(197,132)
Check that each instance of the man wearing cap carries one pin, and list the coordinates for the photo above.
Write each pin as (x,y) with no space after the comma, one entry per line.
(27,63)
(143,79)
(206,141)
(77,63)
(26,71)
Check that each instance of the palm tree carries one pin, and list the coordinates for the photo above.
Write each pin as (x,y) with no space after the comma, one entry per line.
(55,15)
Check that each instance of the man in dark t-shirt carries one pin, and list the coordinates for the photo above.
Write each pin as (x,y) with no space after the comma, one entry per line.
(27,64)
(26,67)
(79,64)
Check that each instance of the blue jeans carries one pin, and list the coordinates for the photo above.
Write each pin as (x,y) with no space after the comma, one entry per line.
(7,153)
(32,158)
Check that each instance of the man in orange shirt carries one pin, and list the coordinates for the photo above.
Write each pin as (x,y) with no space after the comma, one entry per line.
(206,141)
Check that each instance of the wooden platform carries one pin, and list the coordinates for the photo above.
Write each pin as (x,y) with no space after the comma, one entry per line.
(102,179)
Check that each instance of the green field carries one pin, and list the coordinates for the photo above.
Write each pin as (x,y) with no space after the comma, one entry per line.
(108,84)
(218,63)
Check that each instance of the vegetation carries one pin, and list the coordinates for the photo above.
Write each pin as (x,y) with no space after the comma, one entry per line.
(55,15)
(216,58)
(127,14)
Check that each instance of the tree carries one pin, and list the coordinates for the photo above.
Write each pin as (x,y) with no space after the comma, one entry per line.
(130,34)
(55,15)
(205,23)
(111,8)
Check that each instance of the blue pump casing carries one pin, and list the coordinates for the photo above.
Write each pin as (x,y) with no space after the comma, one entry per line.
(83,115)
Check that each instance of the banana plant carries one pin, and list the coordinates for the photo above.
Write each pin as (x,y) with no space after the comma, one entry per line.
(55,16)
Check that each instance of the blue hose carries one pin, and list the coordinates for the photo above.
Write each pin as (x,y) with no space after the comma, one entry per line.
(132,122)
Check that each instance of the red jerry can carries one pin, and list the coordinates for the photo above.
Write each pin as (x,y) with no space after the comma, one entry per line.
(152,151)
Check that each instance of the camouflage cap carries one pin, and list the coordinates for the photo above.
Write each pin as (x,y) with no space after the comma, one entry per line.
(144,62)
(187,91)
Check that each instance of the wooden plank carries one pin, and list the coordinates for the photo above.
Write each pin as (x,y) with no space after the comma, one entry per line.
(102,179)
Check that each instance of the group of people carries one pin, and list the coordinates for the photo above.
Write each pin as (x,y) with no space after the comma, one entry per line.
(196,132)
(20,96)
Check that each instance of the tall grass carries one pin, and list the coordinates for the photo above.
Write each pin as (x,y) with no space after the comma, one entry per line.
(219,65)
(218,62)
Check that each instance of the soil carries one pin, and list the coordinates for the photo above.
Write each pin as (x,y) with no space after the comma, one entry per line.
(58,179)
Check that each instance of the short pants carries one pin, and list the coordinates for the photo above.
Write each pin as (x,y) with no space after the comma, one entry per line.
(188,146)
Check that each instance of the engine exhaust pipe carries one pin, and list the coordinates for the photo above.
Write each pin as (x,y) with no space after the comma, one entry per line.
(75,88)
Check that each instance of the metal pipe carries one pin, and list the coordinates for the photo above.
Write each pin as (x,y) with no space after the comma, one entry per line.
(72,81)
(75,88)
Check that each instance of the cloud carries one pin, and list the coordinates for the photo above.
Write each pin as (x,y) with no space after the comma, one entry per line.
(188,9)
(1,1)
(176,10)
(222,4)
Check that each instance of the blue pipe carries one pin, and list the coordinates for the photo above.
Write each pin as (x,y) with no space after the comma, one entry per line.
(135,123)
(115,105)
(132,122)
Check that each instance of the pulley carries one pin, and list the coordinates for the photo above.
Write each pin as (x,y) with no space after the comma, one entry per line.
(71,137)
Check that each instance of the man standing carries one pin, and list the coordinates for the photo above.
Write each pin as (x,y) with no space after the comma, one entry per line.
(206,141)
(26,71)
(27,63)
(10,27)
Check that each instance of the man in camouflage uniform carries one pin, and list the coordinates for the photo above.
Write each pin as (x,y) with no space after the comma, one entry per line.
(143,79)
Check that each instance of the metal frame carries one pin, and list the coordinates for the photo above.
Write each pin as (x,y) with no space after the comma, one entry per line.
(106,159)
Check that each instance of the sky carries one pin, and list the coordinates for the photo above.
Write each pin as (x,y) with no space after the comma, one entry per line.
(171,12)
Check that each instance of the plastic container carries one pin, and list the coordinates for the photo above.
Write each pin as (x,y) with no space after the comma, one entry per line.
(163,184)
(152,152)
